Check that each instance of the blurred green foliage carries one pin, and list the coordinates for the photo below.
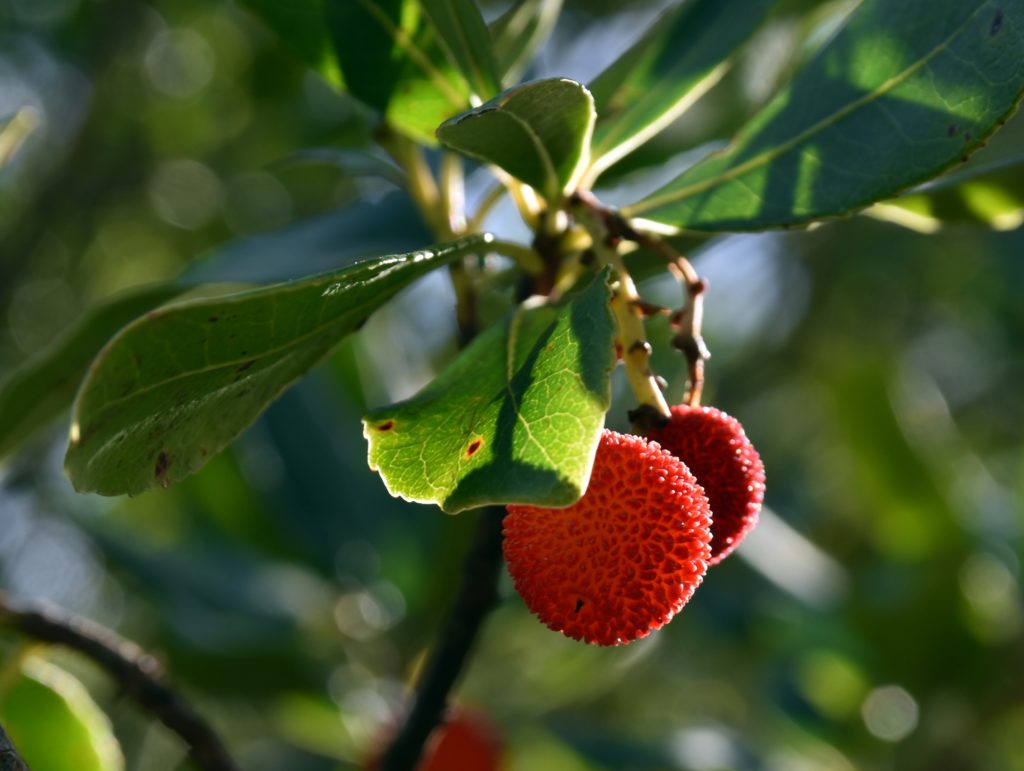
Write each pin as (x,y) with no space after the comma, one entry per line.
(875,618)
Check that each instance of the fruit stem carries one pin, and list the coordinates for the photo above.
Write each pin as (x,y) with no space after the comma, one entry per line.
(688,320)
(628,309)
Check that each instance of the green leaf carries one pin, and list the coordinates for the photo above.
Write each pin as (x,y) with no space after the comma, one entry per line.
(519,32)
(391,60)
(173,388)
(35,393)
(467,41)
(364,33)
(300,25)
(991,195)
(515,419)
(669,68)
(538,132)
(55,724)
(902,92)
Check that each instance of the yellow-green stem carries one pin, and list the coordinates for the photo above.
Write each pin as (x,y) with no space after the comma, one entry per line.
(626,307)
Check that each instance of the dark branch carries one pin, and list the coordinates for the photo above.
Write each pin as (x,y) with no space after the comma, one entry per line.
(10,760)
(137,673)
(478,593)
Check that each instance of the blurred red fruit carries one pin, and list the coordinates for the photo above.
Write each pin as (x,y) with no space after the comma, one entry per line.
(467,741)
(725,463)
(625,558)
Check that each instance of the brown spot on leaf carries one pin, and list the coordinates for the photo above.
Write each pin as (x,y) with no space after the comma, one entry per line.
(997,23)
(387,425)
(163,462)
(473,447)
(244,367)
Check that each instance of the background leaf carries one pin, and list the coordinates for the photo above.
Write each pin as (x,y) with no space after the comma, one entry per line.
(172,389)
(519,32)
(467,41)
(901,93)
(37,392)
(538,132)
(14,130)
(515,419)
(352,163)
(992,195)
(55,724)
(300,25)
(316,245)
(371,60)
(673,64)
(390,60)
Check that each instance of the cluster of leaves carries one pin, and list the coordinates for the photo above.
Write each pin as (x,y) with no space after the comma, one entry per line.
(900,93)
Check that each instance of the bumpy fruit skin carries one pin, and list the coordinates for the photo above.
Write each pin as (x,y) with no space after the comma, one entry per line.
(625,558)
(718,452)
(466,741)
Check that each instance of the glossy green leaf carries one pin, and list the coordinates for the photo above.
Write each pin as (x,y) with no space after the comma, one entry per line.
(467,42)
(515,419)
(538,132)
(390,59)
(680,57)
(904,91)
(55,724)
(990,195)
(519,32)
(173,388)
(35,393)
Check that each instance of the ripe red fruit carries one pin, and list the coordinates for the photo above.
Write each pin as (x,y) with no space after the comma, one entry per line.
(466,741)
(718,452)
(625,558)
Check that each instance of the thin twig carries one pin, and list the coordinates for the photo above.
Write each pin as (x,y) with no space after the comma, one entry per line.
(478,593)
(10,760)
(137,673)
